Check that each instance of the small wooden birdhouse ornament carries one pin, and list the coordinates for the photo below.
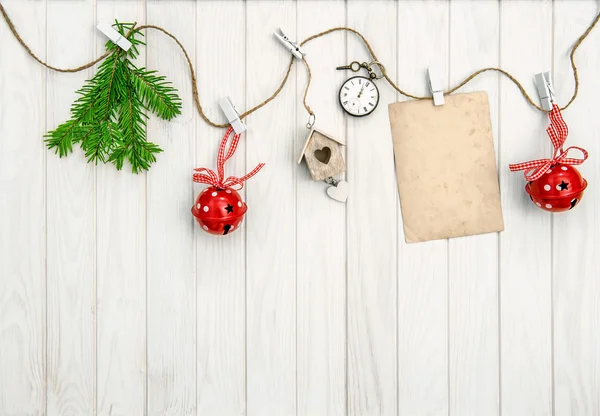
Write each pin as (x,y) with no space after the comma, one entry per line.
(323,154)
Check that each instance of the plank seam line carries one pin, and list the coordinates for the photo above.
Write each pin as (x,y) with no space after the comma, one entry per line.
(346,349)
(295,181)
(552,274)
(95,287)
(45,250)
(448,389)
(245,247)
(499,247)
(396,97)
(194,232)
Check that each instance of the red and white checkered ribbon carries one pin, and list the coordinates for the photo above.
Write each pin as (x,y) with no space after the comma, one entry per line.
(558,131)
(209,177)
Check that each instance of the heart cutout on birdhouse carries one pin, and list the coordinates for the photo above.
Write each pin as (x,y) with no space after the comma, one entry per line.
(323,155)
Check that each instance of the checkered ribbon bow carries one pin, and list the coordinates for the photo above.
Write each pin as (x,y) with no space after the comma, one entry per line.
(558,131)
(209,177)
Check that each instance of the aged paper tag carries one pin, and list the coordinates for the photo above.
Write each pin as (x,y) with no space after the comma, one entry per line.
(446,167)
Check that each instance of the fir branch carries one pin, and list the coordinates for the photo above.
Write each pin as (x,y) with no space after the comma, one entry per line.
(61,139)
(65,134)
(112,96)
(132,123)
(92,144)
(158,95)
(108,119)
(92,92)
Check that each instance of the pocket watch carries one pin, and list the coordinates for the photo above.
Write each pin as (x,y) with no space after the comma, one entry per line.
(359,95)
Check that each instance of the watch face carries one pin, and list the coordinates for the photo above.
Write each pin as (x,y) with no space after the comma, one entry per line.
(359,96)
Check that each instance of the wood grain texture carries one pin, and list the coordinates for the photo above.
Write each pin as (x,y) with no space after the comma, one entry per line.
(171,308)
(576,288)
(473,261)
(114,302)
(22,219)
(525,245)
(71,216)
(372,231)
(422,268)
(271,217)
(220,261)
(121,264)
(321,225)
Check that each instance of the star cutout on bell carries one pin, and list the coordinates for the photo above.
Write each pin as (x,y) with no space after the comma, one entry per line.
(563,186)
(229,208)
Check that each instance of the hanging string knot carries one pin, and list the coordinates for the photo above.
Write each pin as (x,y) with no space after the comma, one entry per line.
(209,177)
(558,132)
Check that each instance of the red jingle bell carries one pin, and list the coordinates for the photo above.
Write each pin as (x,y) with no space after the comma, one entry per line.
(219,209)
(555,184)
(559,189)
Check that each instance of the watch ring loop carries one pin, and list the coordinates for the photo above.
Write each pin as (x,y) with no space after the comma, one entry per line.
(381,68)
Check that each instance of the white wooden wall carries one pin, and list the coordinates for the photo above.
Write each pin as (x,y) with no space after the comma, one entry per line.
(113,302)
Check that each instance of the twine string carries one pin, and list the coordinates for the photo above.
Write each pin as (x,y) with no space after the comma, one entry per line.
(474,74)
(286,76)
(14,31)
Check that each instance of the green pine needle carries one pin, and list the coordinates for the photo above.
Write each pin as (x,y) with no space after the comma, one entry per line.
(156,93)
(108,120)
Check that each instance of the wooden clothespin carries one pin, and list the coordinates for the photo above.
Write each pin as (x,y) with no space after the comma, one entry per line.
(118,39)
(435,86)
(545,89)
(233,117)
(294,48)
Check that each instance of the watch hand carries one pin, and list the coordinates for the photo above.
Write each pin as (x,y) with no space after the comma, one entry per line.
(361,90)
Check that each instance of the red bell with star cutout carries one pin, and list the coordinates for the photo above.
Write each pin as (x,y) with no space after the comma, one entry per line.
(559,189)
(555,184)
(219,209)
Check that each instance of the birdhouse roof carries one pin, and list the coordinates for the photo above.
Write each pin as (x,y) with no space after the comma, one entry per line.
(309,138)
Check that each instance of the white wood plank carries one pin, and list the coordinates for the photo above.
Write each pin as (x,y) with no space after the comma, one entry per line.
(422,268)
(121,264)
(525,266)
(71,216)
(22,223)
(575,234)
(321,270)
(171,263)
(473,261)
(372,228)
(271,219)
(220,260)
(200,327)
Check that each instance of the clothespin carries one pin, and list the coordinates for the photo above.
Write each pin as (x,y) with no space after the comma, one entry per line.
(435,86)
(289,45)
(118,39)
(545,89)
(233,117)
